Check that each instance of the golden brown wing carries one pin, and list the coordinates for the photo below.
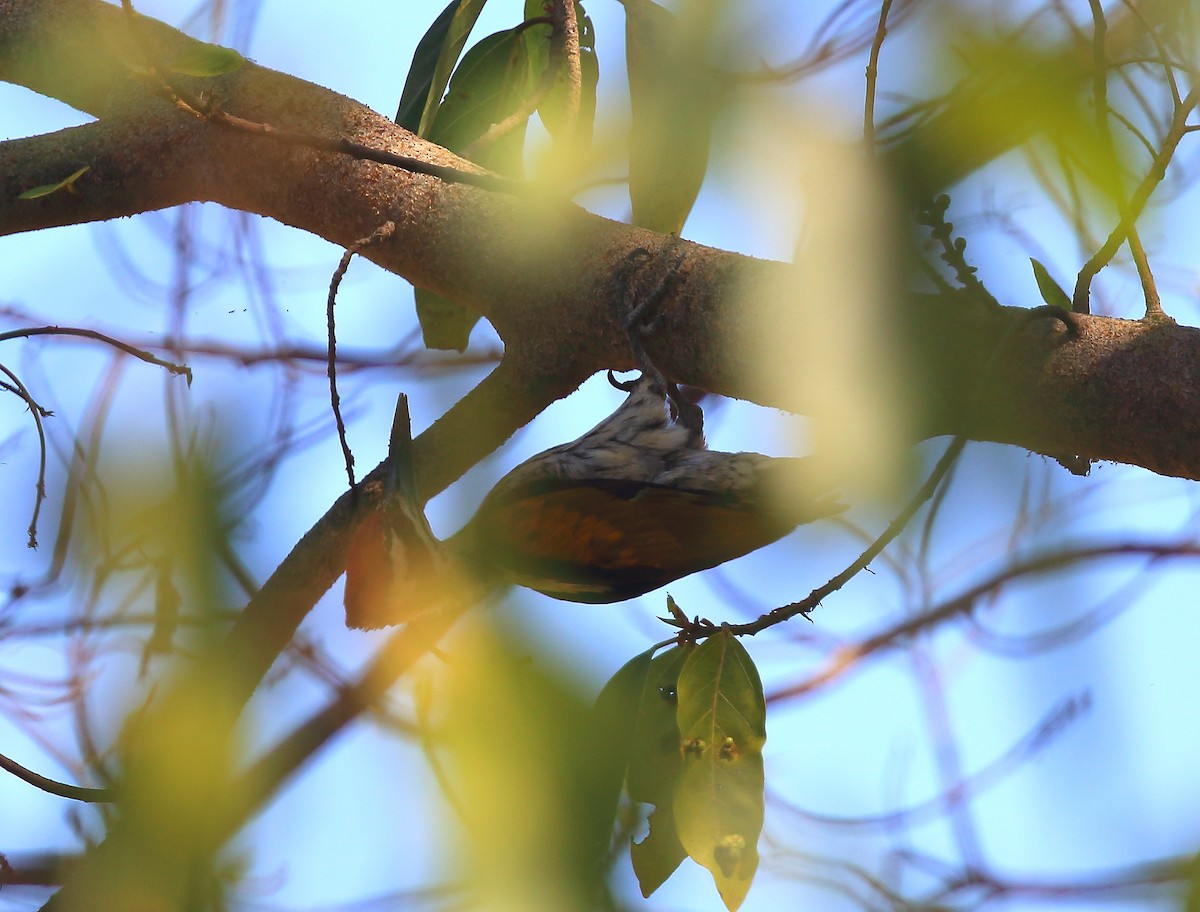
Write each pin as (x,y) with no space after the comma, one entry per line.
(604,540)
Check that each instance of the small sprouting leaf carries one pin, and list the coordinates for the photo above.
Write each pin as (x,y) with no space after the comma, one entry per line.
(1052,292)
(719,799)
(445,325)
(67,183)
(201,59)
(433,62)
(654,764)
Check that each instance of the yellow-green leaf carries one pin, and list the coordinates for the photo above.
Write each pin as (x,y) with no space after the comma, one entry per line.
(654,764)
(517,740)
(719,794)
(445,324)
(202,59)
(67,183)
(614,718)
(674,98)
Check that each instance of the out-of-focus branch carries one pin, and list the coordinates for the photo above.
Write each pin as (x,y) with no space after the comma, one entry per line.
(53,786)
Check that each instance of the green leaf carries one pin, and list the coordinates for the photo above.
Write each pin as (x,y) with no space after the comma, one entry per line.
(654,764)
(489,85)
(202,60)
(67,183)
(719,794)
(433,62)
(1052,292)
(419,81)
(445,325)
(516,735)
(614,717)
(674,98)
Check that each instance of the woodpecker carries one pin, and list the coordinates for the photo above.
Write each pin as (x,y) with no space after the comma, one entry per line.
(634,504)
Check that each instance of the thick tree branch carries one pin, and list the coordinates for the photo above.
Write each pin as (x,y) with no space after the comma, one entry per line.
(541,271)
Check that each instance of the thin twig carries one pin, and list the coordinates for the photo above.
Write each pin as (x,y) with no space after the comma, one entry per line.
(485,180)
(382,233)
(565,46)
(845,658)
(181,370)
(54,787)
(1154,309)
(38,413)
(895,527)
(1080,300)
(873,75)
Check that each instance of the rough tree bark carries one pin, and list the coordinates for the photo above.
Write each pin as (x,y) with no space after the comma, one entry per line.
(542,273)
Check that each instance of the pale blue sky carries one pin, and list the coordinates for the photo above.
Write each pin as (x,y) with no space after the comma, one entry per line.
(1115,787)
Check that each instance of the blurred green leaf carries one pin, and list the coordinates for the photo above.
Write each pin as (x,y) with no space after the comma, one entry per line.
(433,62)
(445,325)
(180,750)
(67,183)
(1006,92)
(206,60)
(530,775)
(674,98)
(614,719)
(1052,292)
(654,764)
(719,794)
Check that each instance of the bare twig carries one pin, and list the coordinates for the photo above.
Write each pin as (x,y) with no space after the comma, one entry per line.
(179,369)
(1080,300)
(38,413)
(897,525)
(380,234)
(847,657)
(873,75)
(1153,302)
(565,46)
(54,787)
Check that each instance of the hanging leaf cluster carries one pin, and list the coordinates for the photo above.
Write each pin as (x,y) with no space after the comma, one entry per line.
(479,105)
(694,725)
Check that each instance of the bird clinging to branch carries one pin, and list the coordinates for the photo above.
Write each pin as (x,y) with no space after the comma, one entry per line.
(634,504)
